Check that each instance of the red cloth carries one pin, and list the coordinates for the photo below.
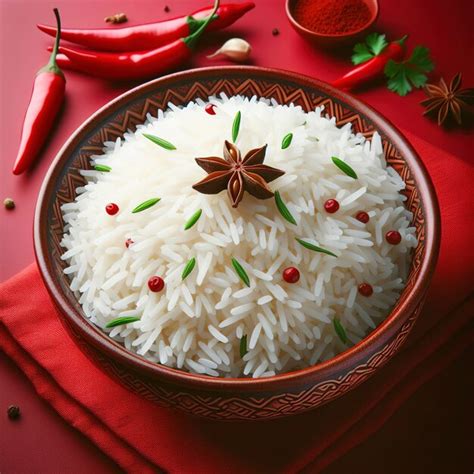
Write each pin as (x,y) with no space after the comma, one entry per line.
(142,437)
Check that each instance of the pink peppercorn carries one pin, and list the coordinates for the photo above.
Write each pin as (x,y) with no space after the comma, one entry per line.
(363,217)
(210,109)
(291,275)
(156,283)
(365,289)
(393,237)
(331,206)
(111,209)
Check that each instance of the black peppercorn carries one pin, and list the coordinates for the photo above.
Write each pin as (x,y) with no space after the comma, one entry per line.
(9,203)
(13,412)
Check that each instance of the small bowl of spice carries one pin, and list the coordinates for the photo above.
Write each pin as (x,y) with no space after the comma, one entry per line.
(332,22)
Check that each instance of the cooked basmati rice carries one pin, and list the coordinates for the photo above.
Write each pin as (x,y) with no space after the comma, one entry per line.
(196,324)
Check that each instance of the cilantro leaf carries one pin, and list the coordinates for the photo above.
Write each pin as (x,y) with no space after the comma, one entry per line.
(418,79)
(420,58)
(403,76)
(398,81)
(374,44)
(361,54)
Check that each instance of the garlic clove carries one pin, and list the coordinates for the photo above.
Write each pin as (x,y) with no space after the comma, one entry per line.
(235,49)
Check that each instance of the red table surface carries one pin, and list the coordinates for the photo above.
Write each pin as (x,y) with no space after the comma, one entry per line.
(42,442)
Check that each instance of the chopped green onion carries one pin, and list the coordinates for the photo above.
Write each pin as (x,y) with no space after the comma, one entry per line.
(160,142)
(243,345)
(193,219)
(315,248)
(103,168)
(145,205)
(236,126)
(122,320)
(241,272)
(340,331)
(344,167)
(188,268)
(286,142)
(283,209)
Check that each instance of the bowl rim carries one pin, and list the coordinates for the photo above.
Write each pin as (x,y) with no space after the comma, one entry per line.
(377,338)
(289,4)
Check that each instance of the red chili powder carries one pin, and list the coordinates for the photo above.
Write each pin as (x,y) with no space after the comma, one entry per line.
(332,16)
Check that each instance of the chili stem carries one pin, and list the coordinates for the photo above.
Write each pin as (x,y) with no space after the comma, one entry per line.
(192,38)
(52,58)
(52,65)
(402,40)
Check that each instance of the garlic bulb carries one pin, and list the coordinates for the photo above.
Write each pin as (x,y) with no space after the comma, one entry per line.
(236,49)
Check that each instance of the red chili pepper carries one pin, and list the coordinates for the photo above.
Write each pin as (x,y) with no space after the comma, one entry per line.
(136,65)
(151,35)
(64,62)
(45,102)
(372,68)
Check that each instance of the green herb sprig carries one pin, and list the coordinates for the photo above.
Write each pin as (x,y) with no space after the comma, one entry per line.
(374,44)
(243,346)
(344,167)
(120,321)
(146,205)
(193,219)
(340,331)
(188,268)
(236,126)
(314,248)
(404,75)
(103,168)
(160,142)
(240,271)
(284,211)
(286,142)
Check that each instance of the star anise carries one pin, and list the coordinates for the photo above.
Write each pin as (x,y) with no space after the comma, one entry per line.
(237,175)
(448,101)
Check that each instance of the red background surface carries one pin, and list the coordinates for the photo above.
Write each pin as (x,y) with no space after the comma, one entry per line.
(41,441)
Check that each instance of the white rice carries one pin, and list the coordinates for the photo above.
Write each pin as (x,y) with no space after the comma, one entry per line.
(197,324)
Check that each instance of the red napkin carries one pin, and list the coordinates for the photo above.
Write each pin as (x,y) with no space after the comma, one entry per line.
(143,437)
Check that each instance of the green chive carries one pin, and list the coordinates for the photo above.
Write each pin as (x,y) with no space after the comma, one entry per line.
(241,272)
(103,168)
(188,268)
(243,346)
(344,167)
(286,142)
(122,320)
(340,331)
(236,126)
(193,219)
(145,205)
(315,248)
(160,142)
(283,209)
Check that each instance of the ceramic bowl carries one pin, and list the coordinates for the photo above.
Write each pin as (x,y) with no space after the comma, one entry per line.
(333,40)
(219,398)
